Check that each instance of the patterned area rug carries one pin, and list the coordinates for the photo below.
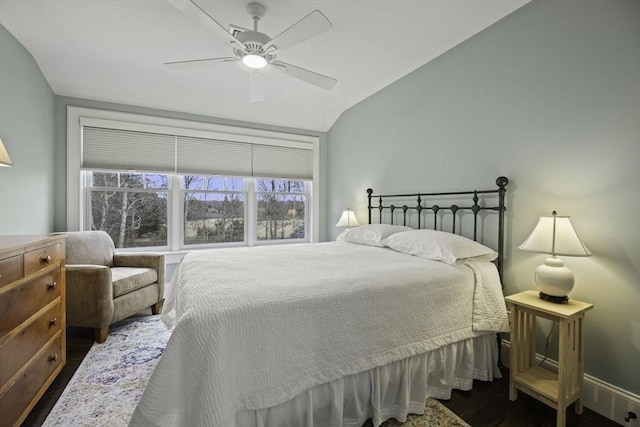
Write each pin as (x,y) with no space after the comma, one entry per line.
(109,382)
(435,415)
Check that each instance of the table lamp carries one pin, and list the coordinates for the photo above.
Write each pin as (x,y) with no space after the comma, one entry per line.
(554,235)
(5,160)
(347,219)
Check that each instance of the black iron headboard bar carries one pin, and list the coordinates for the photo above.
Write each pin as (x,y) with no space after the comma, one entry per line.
(475,208)
(438,207)
(501,182)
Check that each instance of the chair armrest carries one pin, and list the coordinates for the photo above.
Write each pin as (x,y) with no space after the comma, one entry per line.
(143,260)
(89,296)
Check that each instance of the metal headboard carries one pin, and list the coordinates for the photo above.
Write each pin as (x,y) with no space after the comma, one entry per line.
(425,204)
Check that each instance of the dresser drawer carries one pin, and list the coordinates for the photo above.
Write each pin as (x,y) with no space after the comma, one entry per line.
(10,270)
(32,316)
(38,259)
(21,302)
(21,347)
(17,398)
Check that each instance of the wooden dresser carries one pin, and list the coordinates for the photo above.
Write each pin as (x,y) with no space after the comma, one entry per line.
(32,321)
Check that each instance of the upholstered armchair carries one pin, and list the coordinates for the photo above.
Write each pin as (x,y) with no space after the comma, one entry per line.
(104,287)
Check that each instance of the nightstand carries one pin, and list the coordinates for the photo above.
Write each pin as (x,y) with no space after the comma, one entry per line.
(556,390)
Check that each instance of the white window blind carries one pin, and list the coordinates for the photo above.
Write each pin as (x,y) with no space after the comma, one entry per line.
(282,162)
(202,156)
(116,149)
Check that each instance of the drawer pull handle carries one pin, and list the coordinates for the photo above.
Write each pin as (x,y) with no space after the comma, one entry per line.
(46,259)
(53,322)
(51,286)
(53,357)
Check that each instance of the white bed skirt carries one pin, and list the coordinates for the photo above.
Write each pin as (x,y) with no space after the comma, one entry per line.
(394,390)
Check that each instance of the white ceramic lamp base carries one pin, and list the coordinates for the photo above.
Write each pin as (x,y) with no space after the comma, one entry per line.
(554,280)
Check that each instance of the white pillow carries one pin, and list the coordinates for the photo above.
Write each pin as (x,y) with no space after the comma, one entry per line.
(371,234)
(439,246)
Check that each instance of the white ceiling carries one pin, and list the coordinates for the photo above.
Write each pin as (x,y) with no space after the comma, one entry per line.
(114,50)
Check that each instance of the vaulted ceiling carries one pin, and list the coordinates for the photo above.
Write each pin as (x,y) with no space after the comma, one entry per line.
(115,50)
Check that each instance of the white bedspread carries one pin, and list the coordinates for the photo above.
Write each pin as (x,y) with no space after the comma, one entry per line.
(254,327)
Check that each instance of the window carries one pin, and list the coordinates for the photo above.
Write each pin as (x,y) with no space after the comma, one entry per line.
(134,209)
(173,184)
(213,209)
(131,207)
(281,209)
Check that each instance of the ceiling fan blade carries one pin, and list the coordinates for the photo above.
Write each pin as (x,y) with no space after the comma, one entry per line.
(198,63)
(191,9)
(309,26)
(314,78)
(256,88)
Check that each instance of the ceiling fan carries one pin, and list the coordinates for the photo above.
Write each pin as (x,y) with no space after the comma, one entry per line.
(255,49)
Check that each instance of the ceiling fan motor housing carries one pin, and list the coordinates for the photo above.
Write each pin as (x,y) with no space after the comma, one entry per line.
(254,42)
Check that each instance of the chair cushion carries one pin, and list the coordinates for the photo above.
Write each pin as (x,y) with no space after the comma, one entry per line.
(89,247)
(129,279)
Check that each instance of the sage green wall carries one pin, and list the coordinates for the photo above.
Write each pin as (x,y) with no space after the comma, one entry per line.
(550,97)
(61,104)
(26,128)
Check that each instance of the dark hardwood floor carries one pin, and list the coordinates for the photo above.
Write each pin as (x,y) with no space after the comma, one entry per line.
(79,341)
(486,405)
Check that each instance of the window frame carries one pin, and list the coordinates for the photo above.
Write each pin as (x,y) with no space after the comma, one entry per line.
(77,192)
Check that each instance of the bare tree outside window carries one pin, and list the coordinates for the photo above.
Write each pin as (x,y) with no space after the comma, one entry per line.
(213,209)
(281,209)
(130,207)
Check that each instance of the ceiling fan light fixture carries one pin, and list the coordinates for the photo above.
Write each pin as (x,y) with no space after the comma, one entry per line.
(254,61)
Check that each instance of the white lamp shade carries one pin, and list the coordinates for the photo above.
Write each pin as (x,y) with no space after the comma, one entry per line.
(347,219)
(5,160)
(555,235)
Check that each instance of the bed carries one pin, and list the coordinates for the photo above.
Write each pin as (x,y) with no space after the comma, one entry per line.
(332,334)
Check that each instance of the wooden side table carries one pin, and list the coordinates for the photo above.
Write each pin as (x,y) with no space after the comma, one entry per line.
(556,390)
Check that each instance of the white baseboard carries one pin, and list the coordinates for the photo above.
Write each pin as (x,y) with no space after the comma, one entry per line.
(599,396)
